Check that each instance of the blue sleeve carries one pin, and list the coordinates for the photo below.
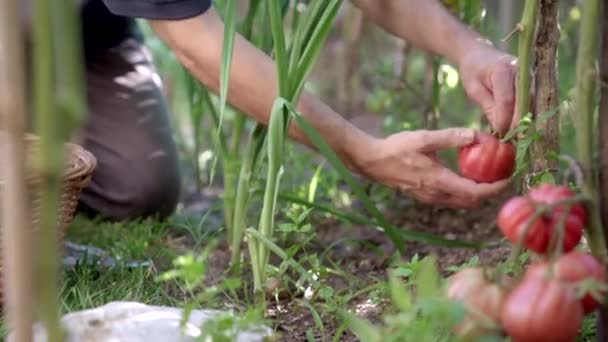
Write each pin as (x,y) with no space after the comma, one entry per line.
(158,9)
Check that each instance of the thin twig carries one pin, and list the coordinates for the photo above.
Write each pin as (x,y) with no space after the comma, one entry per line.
(518,28)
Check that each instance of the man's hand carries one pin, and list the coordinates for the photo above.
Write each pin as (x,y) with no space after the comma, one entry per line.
(488,75)
(489,78)
(408,161)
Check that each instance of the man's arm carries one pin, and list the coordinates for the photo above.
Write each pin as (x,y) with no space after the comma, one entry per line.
(197,43)
(426,24)
(488,75)
(404,160)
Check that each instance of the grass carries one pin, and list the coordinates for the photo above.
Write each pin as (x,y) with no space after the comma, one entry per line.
(88,286)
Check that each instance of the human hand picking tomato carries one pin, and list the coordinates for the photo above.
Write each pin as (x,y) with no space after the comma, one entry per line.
(488,77)
(408,161)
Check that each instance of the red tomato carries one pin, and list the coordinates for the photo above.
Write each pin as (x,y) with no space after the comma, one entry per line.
(574,267)
(540,309)
(483,298)
(551,194)
(487,160)
(513,218)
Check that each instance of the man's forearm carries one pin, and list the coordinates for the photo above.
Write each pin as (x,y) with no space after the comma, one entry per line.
(424,23)
(198,42)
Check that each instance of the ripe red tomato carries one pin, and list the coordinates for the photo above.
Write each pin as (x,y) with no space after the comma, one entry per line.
(550,194)
(515,214)
(487,160)
(574,267)
(482,298)
(540,309)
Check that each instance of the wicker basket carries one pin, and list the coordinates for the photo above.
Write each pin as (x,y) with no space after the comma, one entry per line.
(77,174)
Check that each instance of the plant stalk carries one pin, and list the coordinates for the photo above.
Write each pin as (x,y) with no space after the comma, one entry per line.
(527,28)
(547,92)
(17,259)
(251,156)
(602,319)
(585,110)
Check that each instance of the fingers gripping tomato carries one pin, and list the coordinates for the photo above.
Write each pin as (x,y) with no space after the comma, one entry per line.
(574,267)
(482,298)
(541,309)
(487,160)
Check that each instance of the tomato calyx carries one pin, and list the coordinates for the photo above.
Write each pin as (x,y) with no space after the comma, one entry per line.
(596,289)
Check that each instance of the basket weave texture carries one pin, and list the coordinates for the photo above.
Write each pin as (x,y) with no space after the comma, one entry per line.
(77,174)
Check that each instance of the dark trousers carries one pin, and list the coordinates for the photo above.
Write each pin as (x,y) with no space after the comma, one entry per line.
(128,130)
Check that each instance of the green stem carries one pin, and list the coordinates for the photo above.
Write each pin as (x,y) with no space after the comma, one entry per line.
(557,240)
(58,99)
(237,134)
(251,156)
(276,136)
(264,241)
(585,134)
(527,27)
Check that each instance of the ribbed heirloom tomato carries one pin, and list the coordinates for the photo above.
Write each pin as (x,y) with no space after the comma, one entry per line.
(487,160)
(574,267)
(482,298)
(551,194)
(541,309)
(515,214)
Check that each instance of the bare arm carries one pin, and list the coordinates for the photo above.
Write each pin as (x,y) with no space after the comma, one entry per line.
(426,24)
(404,160)
(488,75)
(197,43)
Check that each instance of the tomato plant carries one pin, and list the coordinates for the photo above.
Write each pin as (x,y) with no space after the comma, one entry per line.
(487,160)
(482,299)
(574,267)
(541,309)
(515,217)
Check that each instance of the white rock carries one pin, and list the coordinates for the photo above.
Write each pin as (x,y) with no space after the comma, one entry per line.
(135,322)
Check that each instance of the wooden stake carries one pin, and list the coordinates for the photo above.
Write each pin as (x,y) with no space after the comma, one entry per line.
(546,94)
(16,224)
(602,323)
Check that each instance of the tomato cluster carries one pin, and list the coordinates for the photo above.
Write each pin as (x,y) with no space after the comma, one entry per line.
(560,287)
(522,219)
(547,304)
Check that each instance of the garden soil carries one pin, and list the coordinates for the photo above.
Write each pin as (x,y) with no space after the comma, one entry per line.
(364,253)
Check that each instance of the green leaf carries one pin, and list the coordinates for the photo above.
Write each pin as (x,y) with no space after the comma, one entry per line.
(427,280)
(276,24)
(227,52)
(401,298)
(314,182)
(313,47)
(361,328)
(547,177)
(276,136)
(406,234)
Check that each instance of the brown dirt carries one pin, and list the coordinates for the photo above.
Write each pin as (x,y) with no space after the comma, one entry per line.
(364,263)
